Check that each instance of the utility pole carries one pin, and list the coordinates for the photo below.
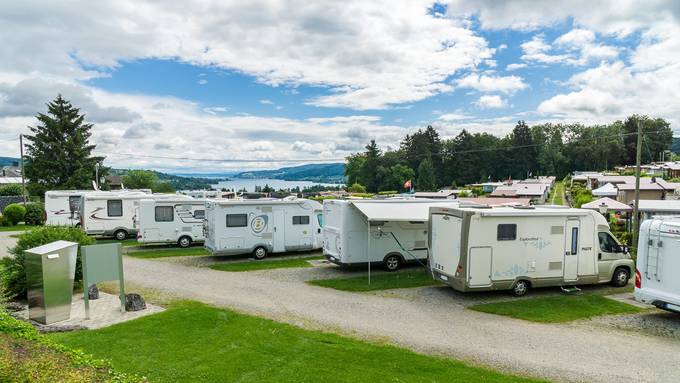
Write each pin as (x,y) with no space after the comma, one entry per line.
(638,159)
(23,179)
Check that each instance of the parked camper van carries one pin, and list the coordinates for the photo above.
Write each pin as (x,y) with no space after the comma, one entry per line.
(477,249)
(170,220)
(63,207)
(262,226)
(658,263)
(112,213)
(398,231)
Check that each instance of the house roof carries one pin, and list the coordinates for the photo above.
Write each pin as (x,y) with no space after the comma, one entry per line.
(497,201)
(606,190)
(610,203)
(668,185)
(643,186)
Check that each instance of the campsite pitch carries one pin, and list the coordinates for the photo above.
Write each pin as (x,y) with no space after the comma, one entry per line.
(264,265)
(164,253)
(398,280)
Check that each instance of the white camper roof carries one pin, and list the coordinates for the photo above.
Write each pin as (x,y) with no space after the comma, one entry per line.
(607,190)
(181,199)
(265,201)
(665,205)
(398,210)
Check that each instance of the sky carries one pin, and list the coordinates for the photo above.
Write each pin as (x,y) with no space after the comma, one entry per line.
(212,86)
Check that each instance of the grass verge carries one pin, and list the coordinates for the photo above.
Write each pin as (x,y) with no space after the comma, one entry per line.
(557,309)
(192,342)
(19,227)
(162,253)
(125,243)
(399,280)
(557,195)
(264,265)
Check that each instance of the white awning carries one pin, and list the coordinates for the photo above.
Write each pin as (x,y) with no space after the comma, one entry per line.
(401,211)
(608,190)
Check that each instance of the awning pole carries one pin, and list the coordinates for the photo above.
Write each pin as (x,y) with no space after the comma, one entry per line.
(368,250)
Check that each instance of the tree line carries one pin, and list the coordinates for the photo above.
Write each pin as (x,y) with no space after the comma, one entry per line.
(558,149)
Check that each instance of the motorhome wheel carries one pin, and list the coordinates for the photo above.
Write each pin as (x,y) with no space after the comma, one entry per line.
(259,252)
(520,288)
(184,242)
(120,235)
(620,277)
(392,262)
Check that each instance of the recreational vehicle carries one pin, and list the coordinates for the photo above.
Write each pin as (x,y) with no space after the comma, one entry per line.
(515,248)
(171,220)
(62,207)
(398,231)
(658,263)
(262,226)
(112,213)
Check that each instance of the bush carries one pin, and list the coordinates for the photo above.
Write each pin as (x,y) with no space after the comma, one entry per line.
(14,213)
(11,190)
(357,188)
(4,221)
(35,214)
(13,276)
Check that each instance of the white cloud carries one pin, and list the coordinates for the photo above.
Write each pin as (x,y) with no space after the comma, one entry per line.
(453,117)
(537,50)
(266,102)
(490,102)
(202,81)
(215,109)
(484,83)
(512,67)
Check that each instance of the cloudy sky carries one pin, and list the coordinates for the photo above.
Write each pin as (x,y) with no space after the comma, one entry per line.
(187,85)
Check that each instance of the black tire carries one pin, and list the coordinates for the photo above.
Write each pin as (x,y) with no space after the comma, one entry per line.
(521,288)
(184,242)
(392,262)
(120,234)
(620,277)
(260,252)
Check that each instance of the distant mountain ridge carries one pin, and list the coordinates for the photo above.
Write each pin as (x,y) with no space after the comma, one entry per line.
(327,173)
(8,161)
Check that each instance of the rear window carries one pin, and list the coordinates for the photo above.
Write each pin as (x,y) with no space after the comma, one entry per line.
(114,208)
(237,220)
(165,214)
(300,220)
(506,232)
(199,214)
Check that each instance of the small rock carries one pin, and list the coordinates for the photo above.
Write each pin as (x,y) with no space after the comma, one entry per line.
(14,306)
(93,292)
(134,302)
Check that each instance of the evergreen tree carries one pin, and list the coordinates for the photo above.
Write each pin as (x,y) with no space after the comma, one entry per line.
(369,169)
(522,152)
(426,181)
(58,153)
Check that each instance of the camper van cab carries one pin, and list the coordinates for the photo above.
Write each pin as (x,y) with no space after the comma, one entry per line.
(262,226)
(512,248)
(171,220)
(658,263)
(398,231)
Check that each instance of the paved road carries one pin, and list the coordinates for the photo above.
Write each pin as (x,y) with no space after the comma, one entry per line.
(573,352)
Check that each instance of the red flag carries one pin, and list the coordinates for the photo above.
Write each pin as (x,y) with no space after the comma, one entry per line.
(407,184)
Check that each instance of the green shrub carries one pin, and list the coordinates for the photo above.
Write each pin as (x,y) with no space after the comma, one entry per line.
(13,277)
(388,192)
(14,213)
(362,195)
(4,221)
(11,190)
(357,188)
(35,214)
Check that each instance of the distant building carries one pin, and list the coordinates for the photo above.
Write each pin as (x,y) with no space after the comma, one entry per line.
(536,192)
(648,191)
(442,194)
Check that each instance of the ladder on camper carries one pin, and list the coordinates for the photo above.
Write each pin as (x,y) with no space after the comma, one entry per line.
(652,264)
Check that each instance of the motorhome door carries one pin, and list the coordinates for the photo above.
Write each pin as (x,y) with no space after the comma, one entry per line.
(279,235)
(572,240)
(479,266)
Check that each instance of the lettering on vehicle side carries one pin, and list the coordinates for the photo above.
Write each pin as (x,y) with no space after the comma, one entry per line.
(535,242)
(587,248)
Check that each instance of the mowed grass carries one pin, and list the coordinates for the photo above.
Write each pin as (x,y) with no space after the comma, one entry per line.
(557,195)
(18,227)
(125,243)
(264,265)
(557,309)
(162,253)
(192,342)
(397,280)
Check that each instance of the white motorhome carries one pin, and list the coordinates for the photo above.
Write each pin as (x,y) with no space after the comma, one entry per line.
(658,263)
(171,220)
(398,231)
(113,213)
(62,207)
(515,248)
(262,226)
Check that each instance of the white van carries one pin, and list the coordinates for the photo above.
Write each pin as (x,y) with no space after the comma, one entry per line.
(398,231)
(658,263)
(262,226)
(171,220)
(515,248)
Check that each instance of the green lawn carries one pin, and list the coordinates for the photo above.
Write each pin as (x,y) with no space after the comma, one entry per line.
(397,280)
(19,227)
(557,309)
(557,195)
(125,243)
(192,342)
(264,265)
(174,252)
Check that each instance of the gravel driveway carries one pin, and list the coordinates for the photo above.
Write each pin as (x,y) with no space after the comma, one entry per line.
(433,323)
(6,242)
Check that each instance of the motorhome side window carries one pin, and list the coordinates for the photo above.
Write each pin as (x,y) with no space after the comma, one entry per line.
(300,220)
(114,208)
(237,220)
(319,217)
(506,232)
(199,214)
(165,214)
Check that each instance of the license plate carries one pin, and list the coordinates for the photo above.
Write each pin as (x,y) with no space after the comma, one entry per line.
(673,307)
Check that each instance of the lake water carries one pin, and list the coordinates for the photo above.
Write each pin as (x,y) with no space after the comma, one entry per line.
(249,184)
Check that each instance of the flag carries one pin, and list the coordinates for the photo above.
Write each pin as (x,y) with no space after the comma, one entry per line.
(407,184)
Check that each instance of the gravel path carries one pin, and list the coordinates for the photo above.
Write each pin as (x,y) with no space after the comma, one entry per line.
(435,322)
(6,242)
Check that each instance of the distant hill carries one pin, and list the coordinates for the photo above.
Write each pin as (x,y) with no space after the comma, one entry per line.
(8,161)
(330,173)
(179,182)
(675,147)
